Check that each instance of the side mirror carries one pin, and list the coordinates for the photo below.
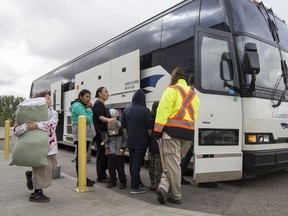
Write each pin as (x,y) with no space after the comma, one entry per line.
(226,69)
(251,62)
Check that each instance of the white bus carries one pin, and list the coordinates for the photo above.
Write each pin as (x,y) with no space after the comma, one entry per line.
(237,51)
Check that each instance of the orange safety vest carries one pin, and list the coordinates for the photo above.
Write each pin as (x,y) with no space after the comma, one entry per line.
(178,121)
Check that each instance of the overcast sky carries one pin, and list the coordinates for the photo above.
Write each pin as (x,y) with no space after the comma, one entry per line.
(40,35)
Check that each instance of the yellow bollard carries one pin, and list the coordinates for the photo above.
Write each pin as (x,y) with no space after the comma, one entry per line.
(82,168)
(7,137)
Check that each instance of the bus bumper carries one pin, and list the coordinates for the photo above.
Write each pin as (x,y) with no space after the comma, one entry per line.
(261,162)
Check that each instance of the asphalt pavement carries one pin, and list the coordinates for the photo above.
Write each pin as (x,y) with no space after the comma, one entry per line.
(14,197)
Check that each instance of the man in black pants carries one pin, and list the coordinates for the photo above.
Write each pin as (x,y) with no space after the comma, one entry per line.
(138,124)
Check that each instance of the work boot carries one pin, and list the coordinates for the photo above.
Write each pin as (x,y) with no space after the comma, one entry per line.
(173,201)
(162,195)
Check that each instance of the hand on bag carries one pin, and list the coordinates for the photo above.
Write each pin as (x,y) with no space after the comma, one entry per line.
(107,151)
(31,125)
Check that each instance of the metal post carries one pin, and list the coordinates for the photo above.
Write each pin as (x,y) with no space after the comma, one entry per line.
(7,137)
(82,168)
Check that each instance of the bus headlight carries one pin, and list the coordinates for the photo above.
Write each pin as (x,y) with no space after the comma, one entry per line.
(258,138)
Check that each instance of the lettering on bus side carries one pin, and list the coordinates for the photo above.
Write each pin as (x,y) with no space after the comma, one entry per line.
(276,114)
(131,84)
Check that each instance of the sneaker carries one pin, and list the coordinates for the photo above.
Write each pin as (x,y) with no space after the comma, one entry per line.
(39,197)
(173,201)
(162,196)
(141,189)
(111,185)
(122,186)
(29,182)
(185,182)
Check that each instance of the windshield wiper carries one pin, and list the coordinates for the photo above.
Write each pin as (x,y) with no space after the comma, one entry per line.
(274,32)
(271,24)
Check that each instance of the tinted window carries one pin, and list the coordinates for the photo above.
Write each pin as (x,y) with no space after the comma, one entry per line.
(211,15)
(178,37)
(282,32)
(66,74)
(211,55)
(179,55)
(179,25)
(83,63)
(146,38)
(248,18)
(106,53)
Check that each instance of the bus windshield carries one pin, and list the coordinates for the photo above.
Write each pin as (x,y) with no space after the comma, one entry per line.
(270,65)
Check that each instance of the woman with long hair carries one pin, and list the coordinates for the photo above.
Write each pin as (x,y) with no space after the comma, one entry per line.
(101,117)
(82,106)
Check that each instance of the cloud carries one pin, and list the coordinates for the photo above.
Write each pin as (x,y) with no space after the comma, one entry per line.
(38,36)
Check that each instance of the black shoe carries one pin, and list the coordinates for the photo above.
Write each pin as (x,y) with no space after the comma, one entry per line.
(104,180)
(173,201)
(90,183)
(88,160)
(111,185)
(184,182)
(207,185)
(39,197)
(29,182)
(122,186)
(162,196)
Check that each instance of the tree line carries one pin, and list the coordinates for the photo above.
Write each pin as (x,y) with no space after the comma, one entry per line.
(8,106)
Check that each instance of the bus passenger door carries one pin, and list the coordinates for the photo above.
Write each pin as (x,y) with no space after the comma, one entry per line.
(56,96)
(218,133)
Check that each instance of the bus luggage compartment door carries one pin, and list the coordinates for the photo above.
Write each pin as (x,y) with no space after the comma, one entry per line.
(125,77)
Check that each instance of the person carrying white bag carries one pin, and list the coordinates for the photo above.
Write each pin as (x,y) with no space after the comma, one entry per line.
(41,175)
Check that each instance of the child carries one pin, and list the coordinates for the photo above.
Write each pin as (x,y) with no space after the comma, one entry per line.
(115,149)
(155,170)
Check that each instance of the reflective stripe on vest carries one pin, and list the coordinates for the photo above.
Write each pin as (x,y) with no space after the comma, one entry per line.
(186,103)
(180,124)
(158,127)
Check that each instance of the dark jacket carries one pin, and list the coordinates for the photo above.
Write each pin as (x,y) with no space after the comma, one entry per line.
(153,145)
(137,120)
